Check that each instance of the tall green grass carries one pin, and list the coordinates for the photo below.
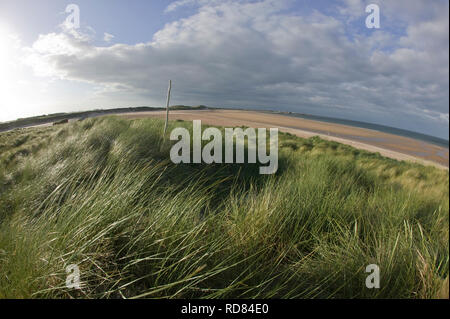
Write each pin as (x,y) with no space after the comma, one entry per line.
(103,194)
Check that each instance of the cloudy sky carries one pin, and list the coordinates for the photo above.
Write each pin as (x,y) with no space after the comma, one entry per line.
(316,57)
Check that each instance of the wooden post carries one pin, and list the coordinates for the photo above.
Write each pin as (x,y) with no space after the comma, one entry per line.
(167,107)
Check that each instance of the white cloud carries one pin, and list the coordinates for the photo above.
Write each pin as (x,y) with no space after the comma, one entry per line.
(353,9)
(239,53)
(177,4)
(107,37)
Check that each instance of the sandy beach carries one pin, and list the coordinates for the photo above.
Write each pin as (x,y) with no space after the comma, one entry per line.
(389,145)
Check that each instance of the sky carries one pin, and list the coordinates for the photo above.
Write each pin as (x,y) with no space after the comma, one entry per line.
(308,56)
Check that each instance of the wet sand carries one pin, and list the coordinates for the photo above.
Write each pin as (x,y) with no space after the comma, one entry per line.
(389,145)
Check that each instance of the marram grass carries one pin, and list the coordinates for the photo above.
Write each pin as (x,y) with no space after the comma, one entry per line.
(103,194)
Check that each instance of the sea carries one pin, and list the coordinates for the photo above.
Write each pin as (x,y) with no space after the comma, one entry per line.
(381,128)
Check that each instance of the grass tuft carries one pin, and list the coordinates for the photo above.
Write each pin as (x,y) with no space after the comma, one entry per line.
(103,194)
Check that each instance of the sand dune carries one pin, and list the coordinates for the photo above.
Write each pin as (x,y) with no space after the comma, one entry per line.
(389,145)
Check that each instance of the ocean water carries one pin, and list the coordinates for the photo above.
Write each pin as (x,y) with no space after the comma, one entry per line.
(381,128)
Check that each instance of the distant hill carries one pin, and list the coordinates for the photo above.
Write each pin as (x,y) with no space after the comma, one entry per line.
(57,117)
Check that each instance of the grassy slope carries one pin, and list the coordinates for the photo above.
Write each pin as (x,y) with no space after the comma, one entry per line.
(102,194)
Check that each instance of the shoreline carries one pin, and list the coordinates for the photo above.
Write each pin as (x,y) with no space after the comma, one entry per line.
(441,143)
(388,145)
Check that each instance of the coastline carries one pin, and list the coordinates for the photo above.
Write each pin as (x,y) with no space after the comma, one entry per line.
(388,145)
